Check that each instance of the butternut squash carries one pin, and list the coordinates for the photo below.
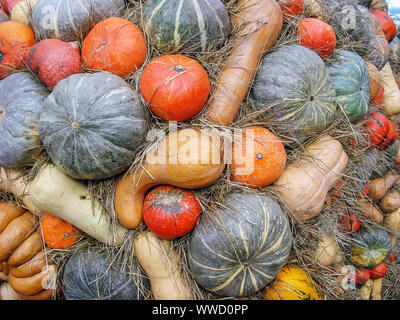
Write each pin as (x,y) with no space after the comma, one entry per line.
(26,250)
(370,211)
(187,158)
(43,295)
(304,184)
(393,220)
(7,292)
(391,91)
(326,252)
(390,202)
(376,289)
(379,186)
(53,192)
(161,265)
(365,290)
(259,24)
(30,268)
(375,80)
(8,213)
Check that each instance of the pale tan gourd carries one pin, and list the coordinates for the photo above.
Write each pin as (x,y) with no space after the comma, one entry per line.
(370,211)
(187,158)
(391,92)
(365,290)
(313,8)
(326,251)
(376,289)
(7,292)
(379,187)
(390,202)
(304,184)
(392,219)
(375,80)
(161,264)
(22,11)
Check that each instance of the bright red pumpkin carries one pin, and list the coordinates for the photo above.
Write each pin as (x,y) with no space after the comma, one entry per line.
(57,233)
(115,45)
(378,99)
(362,275)
(379,271)
(16,41)
(350,222)
(336,191)
(53,60)
(391,258)
(170,212)
(292,7)
(387,24)
(382,133)
(317,35)
(175,87)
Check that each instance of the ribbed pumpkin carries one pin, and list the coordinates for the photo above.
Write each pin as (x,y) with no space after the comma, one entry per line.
(91,125)
(175,87)
(22,99)
(70,20)
(292,283)
(53,60)
(370,247)
(16,40)
(351,80)
(258,157)
(238,249)
(294,85)
(387,24)
(380,130)
(91,274)
(115,45)
(57,233)
(191,25)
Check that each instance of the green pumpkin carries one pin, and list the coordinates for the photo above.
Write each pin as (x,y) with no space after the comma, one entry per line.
(294,87)
(240,248)
(191,25)
(385,161)
(370,247)
(351,81)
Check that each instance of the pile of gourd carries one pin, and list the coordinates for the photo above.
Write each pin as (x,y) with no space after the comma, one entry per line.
(253,93)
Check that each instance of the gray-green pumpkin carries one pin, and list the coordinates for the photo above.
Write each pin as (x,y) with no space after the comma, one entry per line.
(189,25)
(293,85)
(351,80)
(21,101)
(240,248)
(70,20)
(91,125)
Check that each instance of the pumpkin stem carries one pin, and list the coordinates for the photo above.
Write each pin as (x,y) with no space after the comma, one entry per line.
(1,112)
(179,68)
(74,125)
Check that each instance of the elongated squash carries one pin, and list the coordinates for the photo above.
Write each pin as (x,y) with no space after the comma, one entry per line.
(391,92)
(54,192)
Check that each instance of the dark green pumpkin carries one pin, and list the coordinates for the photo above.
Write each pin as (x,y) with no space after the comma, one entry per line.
(190,25)
(294,86)
(70,20)
(21,101)
(370,247)
(241,247)
(90,274)
(351,80)
(91,125)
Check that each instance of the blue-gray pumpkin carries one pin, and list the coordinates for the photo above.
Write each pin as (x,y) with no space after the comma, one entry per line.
(240,248)
(92,125)
(21,101)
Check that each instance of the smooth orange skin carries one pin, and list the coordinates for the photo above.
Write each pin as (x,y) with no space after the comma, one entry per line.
(115,45)
(387,24)
(292,7)
(265,165)
(173,95)
(16,41)
(57,233)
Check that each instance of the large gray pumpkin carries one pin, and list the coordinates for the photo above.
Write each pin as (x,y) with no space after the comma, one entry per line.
(294,86)
(21,101)
(70,20)
(193,25)
(92,125)
(93,275)
(239,249)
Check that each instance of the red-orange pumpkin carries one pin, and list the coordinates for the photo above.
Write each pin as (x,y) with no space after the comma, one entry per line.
(381,131)
(258,157)
(170,212)
(292,7)
(54,60)
(57,233)
(387,24)
(317,35)
(378,271)
(350,222)
(378,100)
(115,45)
(175,87)
(16,41)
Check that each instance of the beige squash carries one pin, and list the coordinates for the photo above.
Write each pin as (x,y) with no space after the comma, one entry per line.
(326,252)
(391,92)
(22,11)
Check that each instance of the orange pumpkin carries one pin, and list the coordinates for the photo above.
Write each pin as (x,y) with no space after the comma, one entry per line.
(16,41)
(115,45)
(258,157)
(175,87)
(292,7)
(57,233)
(387,24)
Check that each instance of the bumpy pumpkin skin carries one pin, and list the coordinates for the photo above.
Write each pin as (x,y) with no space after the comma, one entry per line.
(239,249)
(22,99)
(370,248)
(202,24)
(92,125)
(93,275)
(70,20)
(351,80)
(294,84)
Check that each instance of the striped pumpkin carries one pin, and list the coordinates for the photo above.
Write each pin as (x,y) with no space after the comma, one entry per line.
(191,25)
(92,124)
(294,85)
(351,80)
(240,248)
(70,20)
